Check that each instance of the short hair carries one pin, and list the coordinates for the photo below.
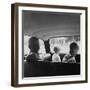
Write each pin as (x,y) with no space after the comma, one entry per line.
(56,49)
(34,44)
(73,45)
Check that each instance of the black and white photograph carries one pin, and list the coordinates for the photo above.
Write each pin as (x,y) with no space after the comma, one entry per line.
(51,44)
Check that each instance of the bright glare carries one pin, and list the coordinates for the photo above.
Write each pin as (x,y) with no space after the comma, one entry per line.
(27,50)
(63,43)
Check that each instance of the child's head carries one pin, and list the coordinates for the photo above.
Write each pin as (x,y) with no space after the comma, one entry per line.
(73,48)
(34,44)
(56,49)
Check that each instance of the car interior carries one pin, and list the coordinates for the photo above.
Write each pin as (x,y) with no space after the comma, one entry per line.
(52,29)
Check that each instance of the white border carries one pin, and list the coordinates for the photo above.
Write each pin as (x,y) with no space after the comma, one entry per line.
(53,78)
